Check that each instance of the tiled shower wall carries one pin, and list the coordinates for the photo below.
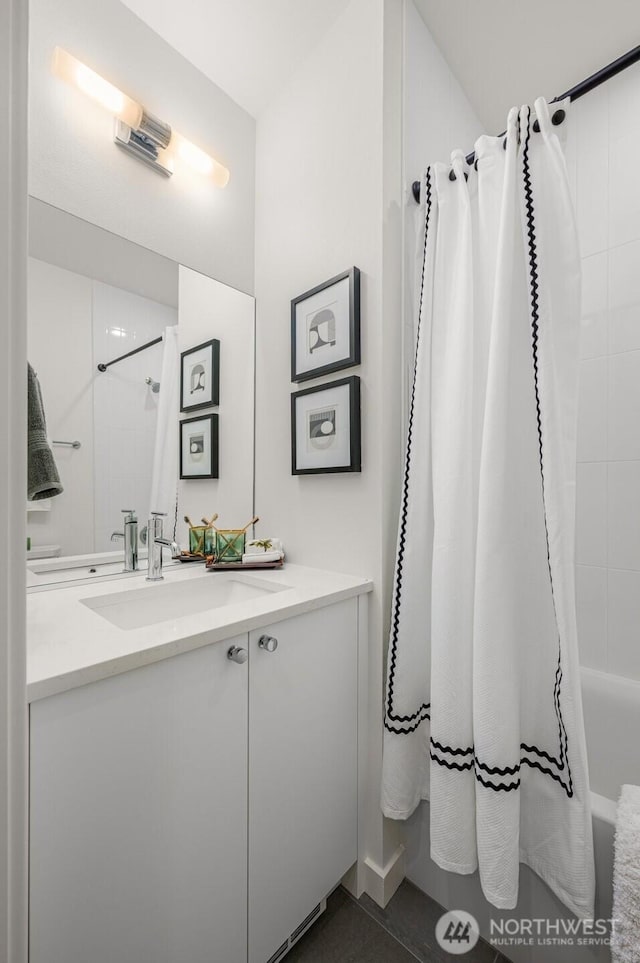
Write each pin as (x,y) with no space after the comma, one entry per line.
(602,152)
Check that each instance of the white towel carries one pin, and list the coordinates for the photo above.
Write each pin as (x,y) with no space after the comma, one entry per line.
(253,557)
(625,943)
(252,548)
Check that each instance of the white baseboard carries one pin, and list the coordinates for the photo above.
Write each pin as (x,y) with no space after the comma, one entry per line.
(380,883)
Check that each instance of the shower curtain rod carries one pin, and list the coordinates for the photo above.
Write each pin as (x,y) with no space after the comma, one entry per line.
(584,87)
(143,347)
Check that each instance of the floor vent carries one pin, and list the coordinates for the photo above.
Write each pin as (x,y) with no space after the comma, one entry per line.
(279,953)
(299,930)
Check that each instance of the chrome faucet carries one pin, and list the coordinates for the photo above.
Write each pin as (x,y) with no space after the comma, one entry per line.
(130,538)
(155,543)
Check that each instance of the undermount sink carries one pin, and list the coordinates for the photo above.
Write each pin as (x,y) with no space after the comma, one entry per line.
(165,602)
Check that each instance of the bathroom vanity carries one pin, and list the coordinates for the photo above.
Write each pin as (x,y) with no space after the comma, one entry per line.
(194,778)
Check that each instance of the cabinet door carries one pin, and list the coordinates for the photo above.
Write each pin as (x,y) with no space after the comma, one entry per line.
(139,816)
(302,770)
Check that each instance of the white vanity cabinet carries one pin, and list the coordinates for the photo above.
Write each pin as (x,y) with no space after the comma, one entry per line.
(197,809)
(302,769)
(138,829)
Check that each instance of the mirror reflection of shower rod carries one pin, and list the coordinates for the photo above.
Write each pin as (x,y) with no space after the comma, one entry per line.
(143,347)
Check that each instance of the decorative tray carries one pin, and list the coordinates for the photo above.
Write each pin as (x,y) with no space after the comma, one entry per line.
(241,566)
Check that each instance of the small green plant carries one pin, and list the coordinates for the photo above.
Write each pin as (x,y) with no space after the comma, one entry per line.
(264,543)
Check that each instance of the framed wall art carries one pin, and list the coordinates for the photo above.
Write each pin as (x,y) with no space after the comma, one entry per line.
(325,428)
(325,327)
(199,447)
(200,376)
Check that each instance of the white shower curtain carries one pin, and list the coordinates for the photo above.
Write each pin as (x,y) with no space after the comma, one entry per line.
(483,712)
(164,478)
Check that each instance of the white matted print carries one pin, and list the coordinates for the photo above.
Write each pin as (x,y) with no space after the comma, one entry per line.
(200,376)
(199,447)
(325,426)
(325,327)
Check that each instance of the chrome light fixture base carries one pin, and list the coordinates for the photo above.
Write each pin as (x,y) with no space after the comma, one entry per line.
(143,145)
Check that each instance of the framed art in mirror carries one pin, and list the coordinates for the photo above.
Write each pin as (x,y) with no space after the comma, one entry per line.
(325,327)
(200,376)
(199,447)
(325,428)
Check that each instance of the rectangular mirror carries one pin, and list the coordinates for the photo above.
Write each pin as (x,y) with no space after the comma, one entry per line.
(94,297)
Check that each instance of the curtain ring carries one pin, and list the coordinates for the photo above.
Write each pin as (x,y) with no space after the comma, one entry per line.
(558,117)
(536,126)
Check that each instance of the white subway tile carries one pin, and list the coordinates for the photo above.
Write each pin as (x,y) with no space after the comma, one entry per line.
(591,514)
(623,514)
(592,174)
(592,204)
(623,618)
(624,196)
(624,297)
(623,429)
(593,330)
(623,94)
(591,605)
(592,410)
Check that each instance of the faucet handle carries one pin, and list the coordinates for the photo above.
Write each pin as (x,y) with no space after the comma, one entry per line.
(130,514)
(158,514)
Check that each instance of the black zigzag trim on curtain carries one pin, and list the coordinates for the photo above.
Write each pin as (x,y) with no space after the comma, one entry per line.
(394,722)
(502,787)
(535,334)
(501,771)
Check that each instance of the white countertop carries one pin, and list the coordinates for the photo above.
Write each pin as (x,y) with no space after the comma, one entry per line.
(69,644)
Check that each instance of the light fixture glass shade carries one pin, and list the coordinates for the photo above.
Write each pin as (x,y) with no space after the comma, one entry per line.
(198,160)
(93,85)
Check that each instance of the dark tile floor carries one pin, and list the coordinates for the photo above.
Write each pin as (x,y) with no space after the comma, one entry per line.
(358,931)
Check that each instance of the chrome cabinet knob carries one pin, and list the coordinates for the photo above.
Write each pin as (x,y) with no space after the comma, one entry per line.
(237,654)
(268,643)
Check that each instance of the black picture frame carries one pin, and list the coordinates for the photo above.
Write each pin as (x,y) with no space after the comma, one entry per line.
(355,456)
(353,356)
(214,346)
(213,467)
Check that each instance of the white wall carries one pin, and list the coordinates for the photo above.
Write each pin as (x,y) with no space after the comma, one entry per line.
(208,309)
(74,164)
(602,150)
(60,350)
(438,118)
(319,210)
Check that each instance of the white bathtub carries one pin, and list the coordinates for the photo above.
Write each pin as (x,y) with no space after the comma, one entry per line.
(612,723)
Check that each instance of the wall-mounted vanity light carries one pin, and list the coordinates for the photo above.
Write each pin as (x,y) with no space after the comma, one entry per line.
(137,131)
